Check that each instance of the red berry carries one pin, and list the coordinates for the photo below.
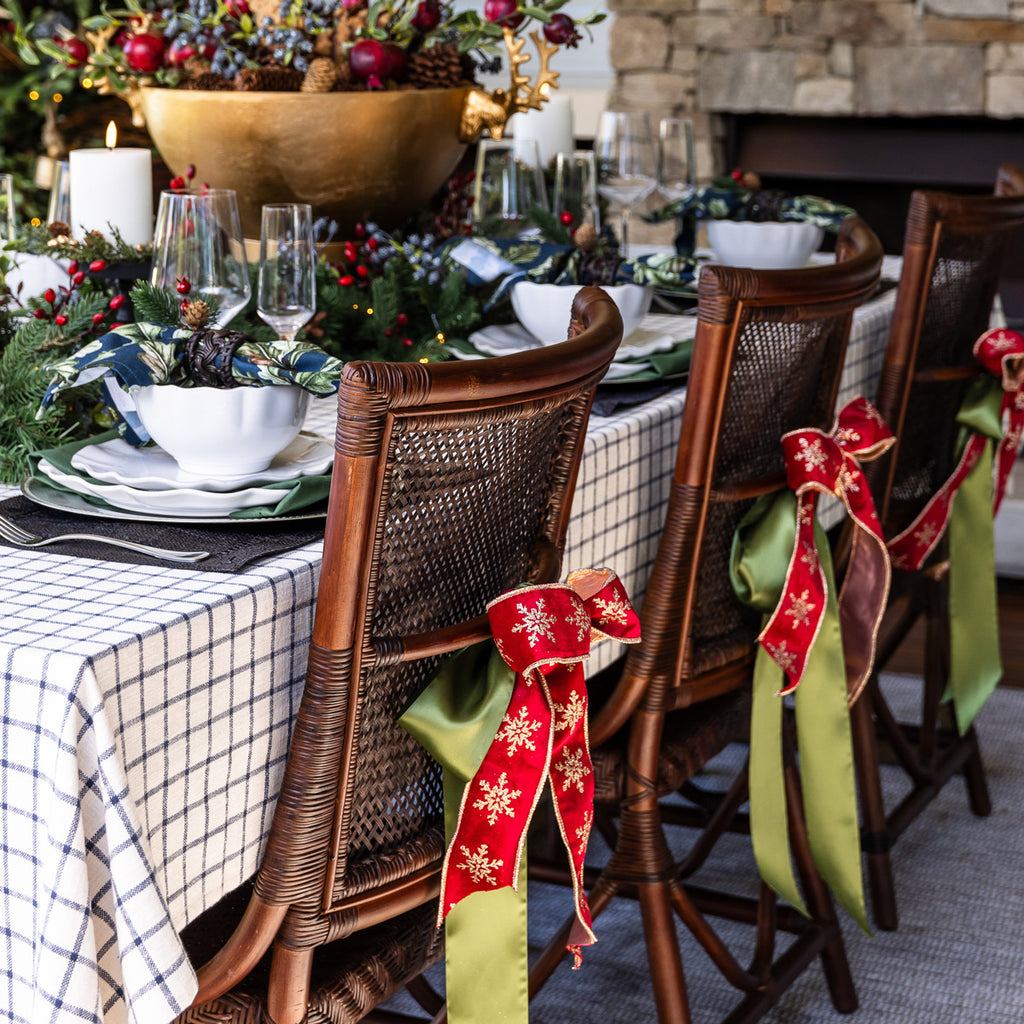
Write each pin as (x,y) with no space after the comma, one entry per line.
(360,230)
(50,295)
(97,318)
(367,58)
(97,265)
(504,12)
(737,174)
(144,52)
(117,301)
(60,319)
(177,55)
(371,244)
(78,277)
(237,8)
(565,217)
(184,286)
(408,342)
(362,271)
(73,268)
(388,332)
(40,314)
(346,280)
(427,16)
(353,5)
(561,30)
(176,183)
(401,319)
(190,171)
(183,305)
(351,252)
(76,49)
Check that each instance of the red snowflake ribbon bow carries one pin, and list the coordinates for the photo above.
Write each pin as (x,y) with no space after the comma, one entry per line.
(544,634)
(1001,352)
(817,462)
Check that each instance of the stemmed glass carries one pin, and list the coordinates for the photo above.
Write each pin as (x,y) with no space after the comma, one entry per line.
(509,181)
(675,157)
(7,224)
(627,162)
(198,249)
(575,190)
(286,290)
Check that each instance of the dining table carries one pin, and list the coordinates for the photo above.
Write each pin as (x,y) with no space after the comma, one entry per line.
(147,710)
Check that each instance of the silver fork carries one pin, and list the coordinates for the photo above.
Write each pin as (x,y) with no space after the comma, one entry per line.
(14,534)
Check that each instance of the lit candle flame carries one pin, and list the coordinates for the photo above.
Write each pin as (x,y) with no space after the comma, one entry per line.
(111,135)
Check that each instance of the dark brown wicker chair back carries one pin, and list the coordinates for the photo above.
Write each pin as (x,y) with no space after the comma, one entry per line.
(767,359)
(952,259)
(452,483)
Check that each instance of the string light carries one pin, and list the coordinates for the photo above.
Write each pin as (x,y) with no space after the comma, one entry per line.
(440,336)
(57,97)
(87,83)
(424,359)
(369,311)
(36,222)
(33,95)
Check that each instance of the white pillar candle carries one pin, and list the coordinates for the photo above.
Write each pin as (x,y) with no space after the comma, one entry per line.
(551,127)
(112,188)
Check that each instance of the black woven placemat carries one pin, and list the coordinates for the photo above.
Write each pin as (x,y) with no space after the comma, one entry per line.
(231,548)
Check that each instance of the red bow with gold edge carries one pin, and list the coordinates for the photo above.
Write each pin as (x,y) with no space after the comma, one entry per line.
(817,462)
(544,634)
(1001,352)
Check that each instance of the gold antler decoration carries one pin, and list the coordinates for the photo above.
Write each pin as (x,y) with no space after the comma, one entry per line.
(491,110)
(99,40)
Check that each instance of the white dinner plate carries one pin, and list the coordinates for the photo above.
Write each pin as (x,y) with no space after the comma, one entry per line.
(42,493)
(152,469)
(656,333)
(182,501)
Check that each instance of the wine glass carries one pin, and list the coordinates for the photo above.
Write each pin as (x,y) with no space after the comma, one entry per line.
(7,222)
(509,181)
(627,162)
(286,290)
(675,158)
(199,251)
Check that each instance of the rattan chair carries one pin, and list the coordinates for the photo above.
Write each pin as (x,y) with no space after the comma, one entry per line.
(952,258)
(767,359)
(452,483)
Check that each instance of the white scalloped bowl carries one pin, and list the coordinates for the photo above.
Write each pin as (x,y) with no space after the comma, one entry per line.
(544,309)
(222,431)
(764,245)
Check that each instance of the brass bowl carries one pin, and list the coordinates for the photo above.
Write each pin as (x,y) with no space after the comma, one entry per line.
(353,155)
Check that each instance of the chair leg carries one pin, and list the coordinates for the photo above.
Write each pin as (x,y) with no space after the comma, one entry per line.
(875,840)
(288,991)
(819,904)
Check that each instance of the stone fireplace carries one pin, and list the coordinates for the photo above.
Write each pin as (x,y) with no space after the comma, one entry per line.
(850,98)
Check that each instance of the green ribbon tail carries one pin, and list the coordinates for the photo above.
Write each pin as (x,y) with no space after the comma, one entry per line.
(769,820)
(975,666)
(456,717)
(824,739)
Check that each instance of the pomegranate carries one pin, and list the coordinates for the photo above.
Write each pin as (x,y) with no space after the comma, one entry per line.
(76,49)
(503,12)
(561,30)
(369,57)
(144,52)
(427,16)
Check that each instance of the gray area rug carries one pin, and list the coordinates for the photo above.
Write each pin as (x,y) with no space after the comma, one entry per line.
(957,957)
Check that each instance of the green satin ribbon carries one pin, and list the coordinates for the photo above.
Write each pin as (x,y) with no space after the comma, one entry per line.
(456,718)
(761,551)
(975,665)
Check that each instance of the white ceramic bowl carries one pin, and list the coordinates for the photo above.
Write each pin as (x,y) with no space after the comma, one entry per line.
(222,431)
(764,245)
(544,309)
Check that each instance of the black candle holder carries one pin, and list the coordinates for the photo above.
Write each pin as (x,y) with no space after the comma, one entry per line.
(123,276)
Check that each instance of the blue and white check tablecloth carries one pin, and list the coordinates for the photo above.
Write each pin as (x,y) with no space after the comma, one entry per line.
(146,715)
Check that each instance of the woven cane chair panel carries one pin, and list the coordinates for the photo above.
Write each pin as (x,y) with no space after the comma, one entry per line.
(464,510)
(781,380)
(957,312)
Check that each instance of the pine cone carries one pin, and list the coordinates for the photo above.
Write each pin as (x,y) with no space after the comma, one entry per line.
(269,79)
(321,76)
(57,228)
(585,237)
(439,67)
(207,81)
(196,314)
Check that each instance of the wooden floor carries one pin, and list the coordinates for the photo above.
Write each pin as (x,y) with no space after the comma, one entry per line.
(1011,634)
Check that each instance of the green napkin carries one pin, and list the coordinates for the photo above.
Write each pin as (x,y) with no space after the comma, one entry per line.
(283,496)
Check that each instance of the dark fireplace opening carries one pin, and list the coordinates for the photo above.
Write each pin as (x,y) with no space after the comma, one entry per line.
(874,164)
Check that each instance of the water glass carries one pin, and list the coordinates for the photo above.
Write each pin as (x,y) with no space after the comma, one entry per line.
(7,221)
(676,174)
(286,292)
(199,251)
(59,207)
(509,181)
(575,190)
